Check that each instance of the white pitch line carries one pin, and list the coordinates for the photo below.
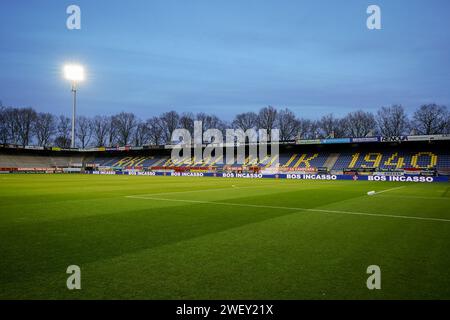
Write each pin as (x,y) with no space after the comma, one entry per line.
(291,208)
(213,189)
(415,197)
(387,190)
(192,191)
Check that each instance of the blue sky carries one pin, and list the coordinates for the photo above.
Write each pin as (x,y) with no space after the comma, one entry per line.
(225,57)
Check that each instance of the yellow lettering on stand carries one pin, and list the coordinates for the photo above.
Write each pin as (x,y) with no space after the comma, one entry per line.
(372,158)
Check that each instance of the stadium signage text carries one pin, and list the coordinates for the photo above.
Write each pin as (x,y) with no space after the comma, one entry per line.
(325,177)
(187,174)
(104,172)
(312,176)
(148,173)
(401,178)
(243,175)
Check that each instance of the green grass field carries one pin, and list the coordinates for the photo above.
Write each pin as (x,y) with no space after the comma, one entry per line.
(213,238)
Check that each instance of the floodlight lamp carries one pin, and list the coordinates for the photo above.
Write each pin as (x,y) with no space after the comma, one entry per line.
(74,72)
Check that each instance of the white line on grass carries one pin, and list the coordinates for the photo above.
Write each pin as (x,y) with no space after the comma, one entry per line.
(407,196)
(387,190)
(193,191)
(233,187)
(290,208)
(414,197)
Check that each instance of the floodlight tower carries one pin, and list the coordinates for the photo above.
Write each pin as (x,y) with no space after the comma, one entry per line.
(75,74)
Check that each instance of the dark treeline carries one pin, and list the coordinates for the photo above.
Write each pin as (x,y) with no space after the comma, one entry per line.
(26,126)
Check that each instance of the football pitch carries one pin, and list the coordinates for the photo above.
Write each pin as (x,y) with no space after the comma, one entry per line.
(139,237)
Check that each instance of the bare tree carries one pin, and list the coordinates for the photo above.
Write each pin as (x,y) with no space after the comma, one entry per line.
(266,119)
(100,129)
(447,125)
(245,121)
(9,116)
(331,127)
(170,121)
(304,126)
(45,128)
(155,130)
(209,121)
(431,119)
(288,124)
(359,124)
(4,133)
(63,139)
(25,119)
(141,134)
(307,129)
(392,121)
(84,130)
(124,123)
(112,132)
(24,125)
(187,122)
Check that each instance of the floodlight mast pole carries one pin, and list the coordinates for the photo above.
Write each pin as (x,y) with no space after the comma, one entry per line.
(74,108)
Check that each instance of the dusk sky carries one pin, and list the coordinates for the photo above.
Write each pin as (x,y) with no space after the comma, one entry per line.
(225,57)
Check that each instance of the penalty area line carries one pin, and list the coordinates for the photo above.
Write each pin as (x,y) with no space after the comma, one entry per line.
(290,208)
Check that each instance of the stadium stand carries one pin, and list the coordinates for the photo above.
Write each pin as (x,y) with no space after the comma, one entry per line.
(28,161)
(383,160)
(333,161)
(128,161)
(339,158)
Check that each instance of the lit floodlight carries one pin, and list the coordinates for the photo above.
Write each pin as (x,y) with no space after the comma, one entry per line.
(74,72)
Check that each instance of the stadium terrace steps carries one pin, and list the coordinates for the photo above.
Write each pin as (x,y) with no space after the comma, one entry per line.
(271,161)
(291,159)
(299,161)
(331,161)
(66,161)
(25,161)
